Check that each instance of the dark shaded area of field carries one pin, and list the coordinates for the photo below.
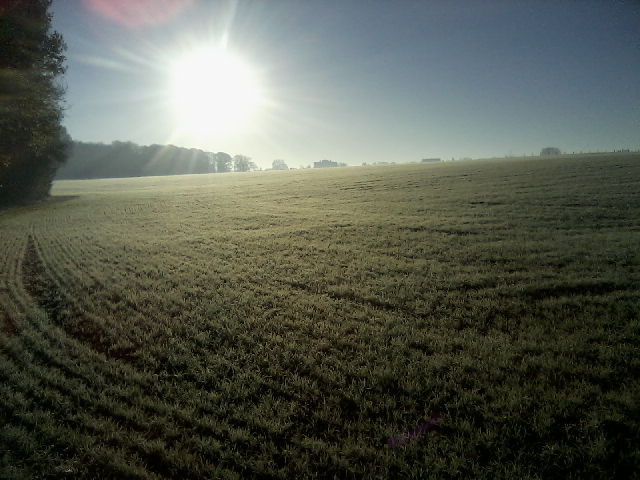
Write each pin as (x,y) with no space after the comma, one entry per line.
(470,320)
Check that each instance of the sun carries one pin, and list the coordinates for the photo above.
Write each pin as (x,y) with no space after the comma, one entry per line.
(213,92)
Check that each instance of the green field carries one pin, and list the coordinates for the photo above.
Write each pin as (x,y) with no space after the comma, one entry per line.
(289,324)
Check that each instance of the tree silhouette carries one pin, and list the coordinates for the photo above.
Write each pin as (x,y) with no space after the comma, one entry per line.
(243,164)
(33,142)
(223,162)
(127,159)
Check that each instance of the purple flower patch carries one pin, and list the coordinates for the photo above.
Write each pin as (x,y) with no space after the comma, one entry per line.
(403,438)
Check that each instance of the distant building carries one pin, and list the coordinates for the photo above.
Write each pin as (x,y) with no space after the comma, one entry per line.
(325,164)
(430,160)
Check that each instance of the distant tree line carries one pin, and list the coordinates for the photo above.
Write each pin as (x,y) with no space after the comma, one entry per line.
(127,159)
(328,164)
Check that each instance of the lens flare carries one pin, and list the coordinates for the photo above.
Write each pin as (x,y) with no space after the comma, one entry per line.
(138,13)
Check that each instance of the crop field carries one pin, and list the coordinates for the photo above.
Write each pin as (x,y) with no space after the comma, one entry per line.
(474,319)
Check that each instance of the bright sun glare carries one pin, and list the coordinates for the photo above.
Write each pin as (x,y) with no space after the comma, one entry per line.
(213,92)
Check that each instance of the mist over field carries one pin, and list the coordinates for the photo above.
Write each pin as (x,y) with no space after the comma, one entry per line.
(473,319)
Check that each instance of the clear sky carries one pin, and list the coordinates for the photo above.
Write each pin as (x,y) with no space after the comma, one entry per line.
(355,80)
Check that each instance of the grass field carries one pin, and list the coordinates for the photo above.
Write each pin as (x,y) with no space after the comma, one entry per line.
(297,324)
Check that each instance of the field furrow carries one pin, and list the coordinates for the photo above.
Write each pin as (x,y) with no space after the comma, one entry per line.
(115,415)
(12,301)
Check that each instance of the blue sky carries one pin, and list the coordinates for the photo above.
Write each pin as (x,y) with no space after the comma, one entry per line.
(366,80)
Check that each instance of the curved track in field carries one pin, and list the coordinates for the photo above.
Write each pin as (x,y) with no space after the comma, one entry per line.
(71,385)
(62,387)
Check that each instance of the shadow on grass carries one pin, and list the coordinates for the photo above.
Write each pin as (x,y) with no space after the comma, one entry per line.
(60,198)
(47,201)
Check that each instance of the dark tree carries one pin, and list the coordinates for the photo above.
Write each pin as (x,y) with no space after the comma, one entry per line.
(33,142)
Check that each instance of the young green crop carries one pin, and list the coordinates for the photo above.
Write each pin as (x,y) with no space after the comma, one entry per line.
(288,324)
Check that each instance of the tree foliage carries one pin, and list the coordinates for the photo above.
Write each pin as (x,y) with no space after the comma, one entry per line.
(32,139)
(242,163)
(128,159)
(223,162)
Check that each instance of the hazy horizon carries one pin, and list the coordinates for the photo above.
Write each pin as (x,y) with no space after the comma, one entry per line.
(388,82)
